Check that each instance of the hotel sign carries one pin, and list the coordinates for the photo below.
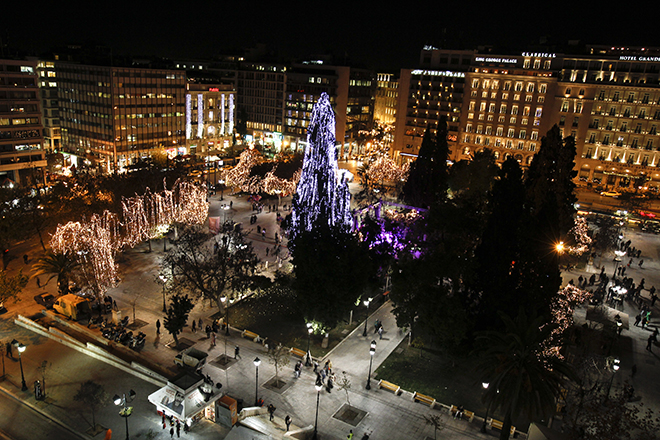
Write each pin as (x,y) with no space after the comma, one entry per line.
(438,73)
(539,54)
(632,58)
(495,60)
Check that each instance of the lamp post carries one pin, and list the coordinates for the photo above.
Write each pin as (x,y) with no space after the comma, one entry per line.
(617,260)
(310,330)
(257,362)
(163,280)
(559,247)
(20,348)
(366,303)
(616,364)
(226,304)
(126,411)
(319,386)
(372,351)
(483,427)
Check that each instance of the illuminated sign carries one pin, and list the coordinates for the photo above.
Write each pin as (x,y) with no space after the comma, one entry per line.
(452,137)
(631,58)
(539,54)
(214,89)
(439,73)
(495,60)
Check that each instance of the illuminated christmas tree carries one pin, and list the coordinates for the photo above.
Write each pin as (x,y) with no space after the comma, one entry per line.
(322,195)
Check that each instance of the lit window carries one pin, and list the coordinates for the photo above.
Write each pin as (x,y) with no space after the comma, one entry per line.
(519,86)
(543,88)
(564,106)
(539,112)
(530,87)
(535,135)
(537,64)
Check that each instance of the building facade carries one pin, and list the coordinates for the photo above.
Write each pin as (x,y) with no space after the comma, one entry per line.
(385,101)
(22,158)
(210,118)
(115,116)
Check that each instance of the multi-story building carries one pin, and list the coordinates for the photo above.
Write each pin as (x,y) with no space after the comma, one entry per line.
(609,99)
(426,95)
(507,105)
(117,115)
(210,118)
(386,98)
(260,101)
(22,158)
(351,93)
(50,110)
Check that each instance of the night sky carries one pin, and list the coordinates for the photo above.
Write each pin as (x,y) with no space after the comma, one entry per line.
(375,34)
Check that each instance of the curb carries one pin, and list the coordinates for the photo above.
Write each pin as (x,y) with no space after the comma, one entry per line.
(43,414)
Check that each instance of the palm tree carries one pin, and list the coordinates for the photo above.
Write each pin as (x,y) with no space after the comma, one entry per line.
(522,381)
(61,266)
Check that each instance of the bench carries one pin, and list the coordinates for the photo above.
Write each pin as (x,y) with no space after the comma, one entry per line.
(250,335)
(467,415)
(496,424)
(389,386)
(417,397)
(297,352)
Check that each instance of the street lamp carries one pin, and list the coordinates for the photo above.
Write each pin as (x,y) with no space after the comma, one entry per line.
(163,280)
(310,330)
(616,364)
(126,411)
(559,247)
(20,348)
(319,386)
(257,362)
(226,305)
(617,260)
(366,303)
(372,351)
(483,427)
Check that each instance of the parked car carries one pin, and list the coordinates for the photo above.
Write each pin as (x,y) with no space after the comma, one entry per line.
(610,194)
(45,299)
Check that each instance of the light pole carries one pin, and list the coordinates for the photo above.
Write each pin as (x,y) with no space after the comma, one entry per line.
(126,411)
(483,427)
(616,364)
(372,351)
(617,260)
(310,330)
(319,386)
(226,304)
(20,348)
(163,280)
(366,303)
(559,247)
(257,362)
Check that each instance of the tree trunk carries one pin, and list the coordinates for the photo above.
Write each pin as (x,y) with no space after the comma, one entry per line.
(506,426)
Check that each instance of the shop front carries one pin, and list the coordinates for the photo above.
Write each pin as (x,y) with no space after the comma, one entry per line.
(187,398)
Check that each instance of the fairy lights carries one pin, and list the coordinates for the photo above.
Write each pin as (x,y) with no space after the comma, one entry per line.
(580,234)
(188,117)
(562,310)
(385,169)
(200,115)
(222,114)
(231,114)
(319,193)
(95,242)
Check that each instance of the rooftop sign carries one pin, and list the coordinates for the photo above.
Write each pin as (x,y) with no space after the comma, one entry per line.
(439,73)
(495,60)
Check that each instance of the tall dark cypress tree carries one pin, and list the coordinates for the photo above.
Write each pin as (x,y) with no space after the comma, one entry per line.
(497,255)
(427,180)
(549,213)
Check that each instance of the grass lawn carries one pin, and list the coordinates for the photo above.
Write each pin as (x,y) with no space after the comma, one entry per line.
(434,374)
(273,315)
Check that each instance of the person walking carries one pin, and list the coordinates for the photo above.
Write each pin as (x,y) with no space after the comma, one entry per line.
(649,343)
(640,263)
(172,432)
(271,411)
(213,339)
(200,323)
(380,332)
(638,319)
(237,352)
(194,326)
(287,421)
(178,429)
(158,326)
(350,435)
(8,349)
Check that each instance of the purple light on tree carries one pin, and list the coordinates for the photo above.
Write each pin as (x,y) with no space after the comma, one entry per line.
(321,193)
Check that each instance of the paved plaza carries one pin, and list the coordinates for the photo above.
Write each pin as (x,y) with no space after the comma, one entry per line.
(379,412)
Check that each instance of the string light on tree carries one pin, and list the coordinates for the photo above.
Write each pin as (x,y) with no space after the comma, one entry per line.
(321,192)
